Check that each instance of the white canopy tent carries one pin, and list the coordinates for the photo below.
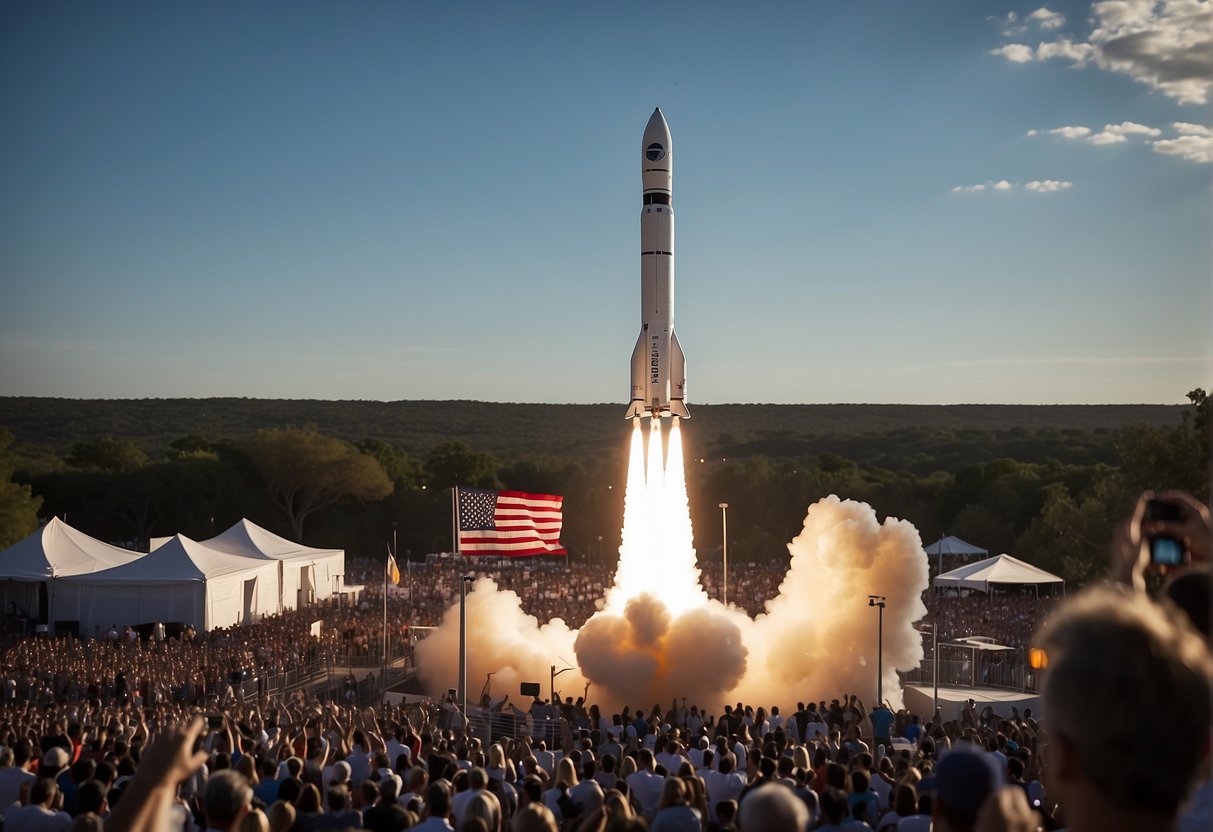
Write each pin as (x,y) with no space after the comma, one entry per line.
(952,545)
(54,551)
(304,574)
(181,581)
(1002,570)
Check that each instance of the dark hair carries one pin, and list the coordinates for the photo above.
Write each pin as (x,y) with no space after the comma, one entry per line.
(308,799)
(289,789)
(90,797)
(438,800)
(338,797)
(44,789)
(833,804)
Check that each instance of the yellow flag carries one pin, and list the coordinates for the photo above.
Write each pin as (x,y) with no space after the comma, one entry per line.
(393,571)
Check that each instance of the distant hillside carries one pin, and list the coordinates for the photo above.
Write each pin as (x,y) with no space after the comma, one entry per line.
(509,430)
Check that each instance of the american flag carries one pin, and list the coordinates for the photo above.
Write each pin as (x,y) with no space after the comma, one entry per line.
(509,523)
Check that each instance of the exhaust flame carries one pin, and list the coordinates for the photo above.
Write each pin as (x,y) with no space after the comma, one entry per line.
(657,554)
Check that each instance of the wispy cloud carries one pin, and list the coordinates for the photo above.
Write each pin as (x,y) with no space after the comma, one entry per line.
(1073,132)
(1065,48)
(1046,19)
(1167,44)
(1012,24)
(1193,142)
(1048,185)
(1017,53)
(1117,133)
(1004,186)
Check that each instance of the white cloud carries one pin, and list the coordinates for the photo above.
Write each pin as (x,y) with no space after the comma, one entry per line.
(1046,19)
(1116,133)
(1107,137)
(1076,132)
(1186,129)
(1048,185)
(1064,48)
(1167,44)
(1033,132)
(1193,148)
(1132,128)
(1004,186)
(1016,53)
(1009,25)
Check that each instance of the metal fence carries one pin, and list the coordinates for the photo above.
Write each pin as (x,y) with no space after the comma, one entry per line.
(964,666)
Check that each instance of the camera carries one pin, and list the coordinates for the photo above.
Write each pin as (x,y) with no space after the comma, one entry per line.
(1164,550)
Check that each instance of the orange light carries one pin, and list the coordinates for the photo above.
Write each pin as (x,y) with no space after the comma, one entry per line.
(1038,659)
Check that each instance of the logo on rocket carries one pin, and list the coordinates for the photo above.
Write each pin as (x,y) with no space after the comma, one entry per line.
(659,370)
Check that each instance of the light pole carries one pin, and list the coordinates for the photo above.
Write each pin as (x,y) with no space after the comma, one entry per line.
(878,602)
(724,532)
(600,549)
(463,649)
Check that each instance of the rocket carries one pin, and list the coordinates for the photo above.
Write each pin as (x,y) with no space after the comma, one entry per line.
(658,367)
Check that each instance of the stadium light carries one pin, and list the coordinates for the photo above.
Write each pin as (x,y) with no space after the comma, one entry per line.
(878,602)
(463,651)
(724,533)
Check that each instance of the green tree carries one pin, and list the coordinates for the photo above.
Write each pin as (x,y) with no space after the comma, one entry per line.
(455,463)
(107,455)
(18,505)
(306,471)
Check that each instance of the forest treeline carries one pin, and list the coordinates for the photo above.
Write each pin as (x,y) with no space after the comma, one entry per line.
(1043,483)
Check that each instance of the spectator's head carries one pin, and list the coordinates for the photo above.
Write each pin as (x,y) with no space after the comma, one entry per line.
(905,801)
(226,799)
(308,800)
(281,816)
(338,798)
(1112,657)
(962,781)
(487,808)
(438,800)
(773,807)
(54,761)
(43,792)
(534,817)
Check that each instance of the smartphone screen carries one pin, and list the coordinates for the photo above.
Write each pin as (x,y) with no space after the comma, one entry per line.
(1166,551)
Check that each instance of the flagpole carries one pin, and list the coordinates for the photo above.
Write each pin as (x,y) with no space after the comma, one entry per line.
(455,519)
(387,571)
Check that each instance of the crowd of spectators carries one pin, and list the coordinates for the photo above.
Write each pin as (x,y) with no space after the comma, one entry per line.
(299,765)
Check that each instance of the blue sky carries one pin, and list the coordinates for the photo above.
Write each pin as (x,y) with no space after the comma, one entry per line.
(441,200)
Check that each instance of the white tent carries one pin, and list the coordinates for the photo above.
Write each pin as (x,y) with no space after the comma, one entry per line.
(952,545)
(182,581)
(304,574)
(54,551)
(1002,570)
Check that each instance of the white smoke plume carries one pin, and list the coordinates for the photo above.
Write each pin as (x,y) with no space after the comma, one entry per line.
(658,637)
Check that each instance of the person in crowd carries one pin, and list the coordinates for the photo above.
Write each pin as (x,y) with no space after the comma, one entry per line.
(774,808)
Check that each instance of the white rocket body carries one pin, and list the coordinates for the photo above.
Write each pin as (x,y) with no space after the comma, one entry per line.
(658,366)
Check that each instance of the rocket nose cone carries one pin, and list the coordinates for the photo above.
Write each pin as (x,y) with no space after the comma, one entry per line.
(656,132)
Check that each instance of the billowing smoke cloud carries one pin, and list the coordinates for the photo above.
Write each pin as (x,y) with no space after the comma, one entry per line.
(502,640)
(659,637)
